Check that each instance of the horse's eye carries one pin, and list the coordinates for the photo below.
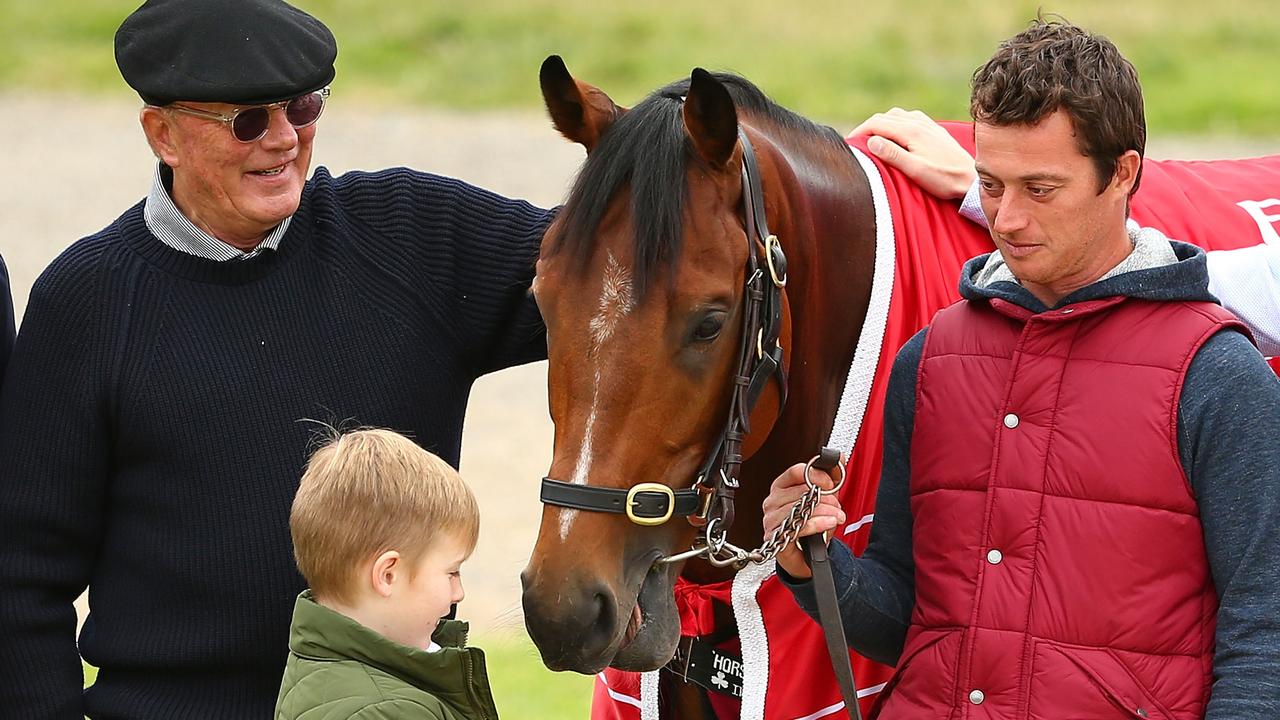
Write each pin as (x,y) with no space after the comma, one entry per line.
(709,328)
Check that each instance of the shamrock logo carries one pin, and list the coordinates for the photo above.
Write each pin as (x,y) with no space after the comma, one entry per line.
(719,681)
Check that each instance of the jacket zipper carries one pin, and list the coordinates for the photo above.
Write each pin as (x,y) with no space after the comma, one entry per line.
(471,686)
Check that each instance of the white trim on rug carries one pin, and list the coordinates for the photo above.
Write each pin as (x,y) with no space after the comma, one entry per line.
(617,696)
(649,695)
(844,431)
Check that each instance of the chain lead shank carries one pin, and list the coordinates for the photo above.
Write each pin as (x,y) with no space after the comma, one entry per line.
(722,553)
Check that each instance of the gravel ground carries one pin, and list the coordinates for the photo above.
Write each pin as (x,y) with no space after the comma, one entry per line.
(75,164)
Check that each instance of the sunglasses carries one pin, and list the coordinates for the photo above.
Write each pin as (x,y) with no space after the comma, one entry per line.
(249,124)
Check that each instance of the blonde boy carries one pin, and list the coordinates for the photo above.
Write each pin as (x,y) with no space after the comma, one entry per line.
(380,530)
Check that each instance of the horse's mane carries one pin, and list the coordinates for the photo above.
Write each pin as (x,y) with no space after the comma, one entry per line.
(648,149)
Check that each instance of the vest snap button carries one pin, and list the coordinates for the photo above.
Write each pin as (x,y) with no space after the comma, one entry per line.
(976,697)
(994,557)
(1011,421)
(1142,712)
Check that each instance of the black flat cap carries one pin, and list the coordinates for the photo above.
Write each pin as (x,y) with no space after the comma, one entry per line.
(243,52)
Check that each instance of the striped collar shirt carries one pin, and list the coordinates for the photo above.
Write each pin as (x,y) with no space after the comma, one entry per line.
(174,229)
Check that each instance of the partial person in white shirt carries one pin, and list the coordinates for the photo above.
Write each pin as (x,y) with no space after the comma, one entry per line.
(1246,280)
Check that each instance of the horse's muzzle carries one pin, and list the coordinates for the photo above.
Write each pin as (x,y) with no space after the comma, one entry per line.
(573,628)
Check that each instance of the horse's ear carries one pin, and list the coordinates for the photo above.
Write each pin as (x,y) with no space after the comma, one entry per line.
(579,111)
(710,118)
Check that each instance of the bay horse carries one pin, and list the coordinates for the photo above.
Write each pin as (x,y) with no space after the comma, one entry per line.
(641,282)
(645,281)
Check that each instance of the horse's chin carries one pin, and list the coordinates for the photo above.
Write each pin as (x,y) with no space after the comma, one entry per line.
(653,630)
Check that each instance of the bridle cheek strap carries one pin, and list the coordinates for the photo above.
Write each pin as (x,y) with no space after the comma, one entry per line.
(760,356)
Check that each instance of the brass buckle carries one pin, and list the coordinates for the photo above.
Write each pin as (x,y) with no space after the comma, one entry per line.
(655,488)
(770,243)
(705,510)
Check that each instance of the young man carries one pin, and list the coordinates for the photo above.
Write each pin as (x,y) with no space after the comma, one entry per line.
(1078,507)
(380,530)
(152,443)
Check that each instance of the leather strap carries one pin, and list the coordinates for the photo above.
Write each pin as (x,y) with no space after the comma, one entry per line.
(753,191)
(760,356)
(644,504)
(767,369)
(824,586)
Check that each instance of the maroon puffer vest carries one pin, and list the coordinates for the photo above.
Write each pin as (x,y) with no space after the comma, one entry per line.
(1059,560)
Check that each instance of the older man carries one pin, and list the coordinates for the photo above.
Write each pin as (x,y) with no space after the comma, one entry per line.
(153,420)
(1080,501)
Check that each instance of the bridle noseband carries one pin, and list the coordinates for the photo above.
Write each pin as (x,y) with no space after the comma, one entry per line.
(710,499)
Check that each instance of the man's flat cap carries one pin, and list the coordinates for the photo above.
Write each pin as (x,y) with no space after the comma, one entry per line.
(242,52)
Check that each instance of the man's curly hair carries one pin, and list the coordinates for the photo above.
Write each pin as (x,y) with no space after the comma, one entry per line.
(1055,65)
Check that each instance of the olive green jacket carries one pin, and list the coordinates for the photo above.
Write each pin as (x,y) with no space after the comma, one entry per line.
(340,670)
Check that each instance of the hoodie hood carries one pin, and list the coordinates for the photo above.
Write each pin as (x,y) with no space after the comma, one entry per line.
(1159,269)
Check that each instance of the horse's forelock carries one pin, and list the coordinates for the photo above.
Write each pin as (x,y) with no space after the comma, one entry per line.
(643,152)
(648,151)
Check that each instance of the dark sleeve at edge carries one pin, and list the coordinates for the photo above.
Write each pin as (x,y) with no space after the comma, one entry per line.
(6,319)
(1229,440)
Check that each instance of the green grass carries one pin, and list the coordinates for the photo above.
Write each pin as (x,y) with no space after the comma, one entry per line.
(522,687)
(1206,67)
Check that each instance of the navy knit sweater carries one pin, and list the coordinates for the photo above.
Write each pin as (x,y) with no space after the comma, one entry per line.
(6,319)
(152,428)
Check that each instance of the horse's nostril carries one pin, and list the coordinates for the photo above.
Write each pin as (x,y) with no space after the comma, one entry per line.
(606,619)
(573,628)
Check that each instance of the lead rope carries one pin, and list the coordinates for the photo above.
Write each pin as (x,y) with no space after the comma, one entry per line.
(824,586)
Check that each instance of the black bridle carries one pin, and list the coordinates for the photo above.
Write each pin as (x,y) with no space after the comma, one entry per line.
(760,358)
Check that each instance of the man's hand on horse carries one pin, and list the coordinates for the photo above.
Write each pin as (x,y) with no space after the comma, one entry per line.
(783,494)
(912,142)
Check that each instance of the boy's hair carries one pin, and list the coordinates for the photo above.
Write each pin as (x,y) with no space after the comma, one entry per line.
(369,491)
(1055,65)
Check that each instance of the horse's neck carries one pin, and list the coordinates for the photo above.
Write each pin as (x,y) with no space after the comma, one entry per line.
(830,241)
(824,218)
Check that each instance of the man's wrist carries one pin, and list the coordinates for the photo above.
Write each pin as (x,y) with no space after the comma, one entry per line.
(793,564)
